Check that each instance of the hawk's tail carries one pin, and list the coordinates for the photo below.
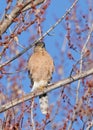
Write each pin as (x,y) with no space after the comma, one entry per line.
(43,100)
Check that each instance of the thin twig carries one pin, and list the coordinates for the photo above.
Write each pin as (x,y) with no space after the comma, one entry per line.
(81,61)
(10,73)
(78,87)
(78,106)
(16,39)
(32,114)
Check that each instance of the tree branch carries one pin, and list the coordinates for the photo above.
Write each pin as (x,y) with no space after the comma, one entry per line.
(36,3)
(48,89)
(15,12)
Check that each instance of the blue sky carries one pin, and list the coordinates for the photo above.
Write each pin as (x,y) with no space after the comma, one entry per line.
(54,45)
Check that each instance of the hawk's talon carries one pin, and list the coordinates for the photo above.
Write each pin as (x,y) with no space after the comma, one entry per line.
(41,88)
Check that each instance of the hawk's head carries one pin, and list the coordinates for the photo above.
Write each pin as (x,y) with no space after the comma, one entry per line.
(39,46)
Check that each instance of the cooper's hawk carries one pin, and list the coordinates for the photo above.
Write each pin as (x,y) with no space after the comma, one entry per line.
(41,67)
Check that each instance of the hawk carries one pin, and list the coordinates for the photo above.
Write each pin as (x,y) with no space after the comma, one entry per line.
(40,68)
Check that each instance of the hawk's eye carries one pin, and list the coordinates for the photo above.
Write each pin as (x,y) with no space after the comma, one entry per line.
(43,45)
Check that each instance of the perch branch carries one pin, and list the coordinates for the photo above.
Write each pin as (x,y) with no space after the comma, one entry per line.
(46,90)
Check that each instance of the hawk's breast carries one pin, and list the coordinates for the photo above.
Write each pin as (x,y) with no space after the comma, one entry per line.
(41,66)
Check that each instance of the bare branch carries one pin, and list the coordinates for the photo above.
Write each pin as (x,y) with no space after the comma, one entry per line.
(81,64)
(32,115)
(15,12)
(81,61)
(29,6)
(48,31)
(48,89)
(79,104)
